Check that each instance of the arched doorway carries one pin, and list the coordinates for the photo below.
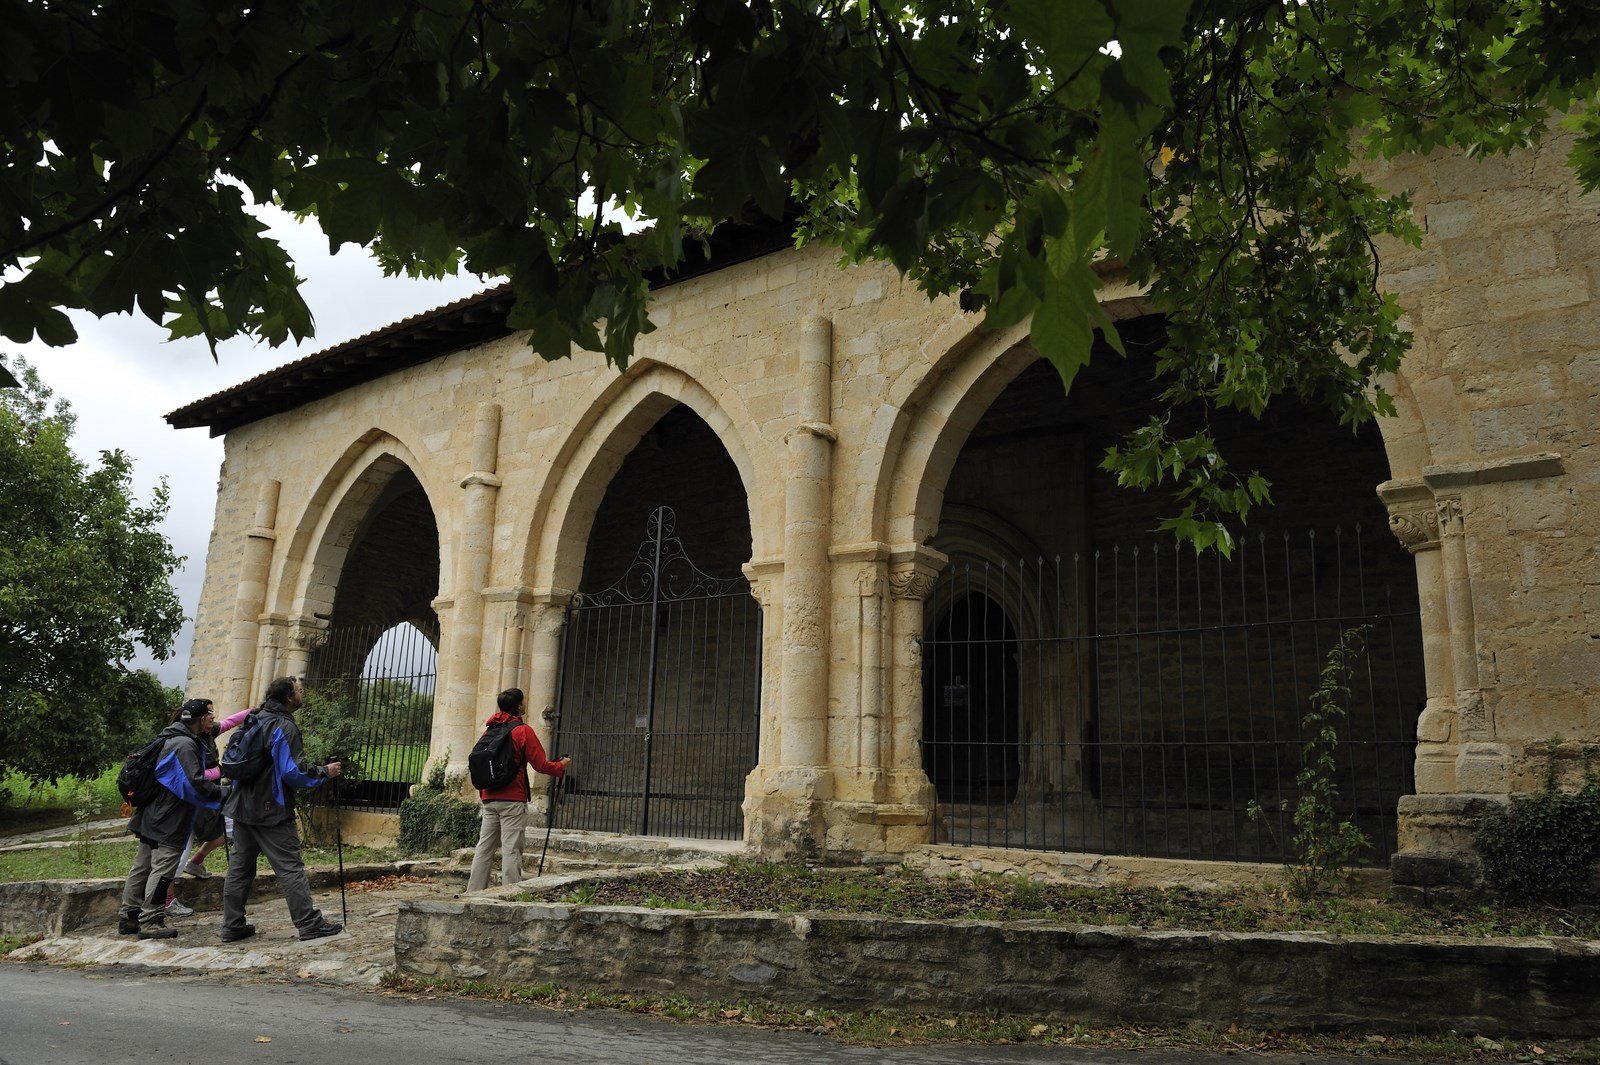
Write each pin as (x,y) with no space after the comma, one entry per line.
(377,659)
(658,698)
(1161,693)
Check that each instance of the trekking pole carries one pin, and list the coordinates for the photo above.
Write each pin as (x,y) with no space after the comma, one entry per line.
(338,842)
(549,821)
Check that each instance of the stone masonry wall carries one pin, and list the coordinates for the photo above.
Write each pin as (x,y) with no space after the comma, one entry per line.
(1028,968)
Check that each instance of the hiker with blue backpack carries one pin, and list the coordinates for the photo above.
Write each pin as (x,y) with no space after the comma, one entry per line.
(265,764)
(166,783)
(498,766)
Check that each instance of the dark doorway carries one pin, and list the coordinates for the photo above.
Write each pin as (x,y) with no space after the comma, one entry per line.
(970,703)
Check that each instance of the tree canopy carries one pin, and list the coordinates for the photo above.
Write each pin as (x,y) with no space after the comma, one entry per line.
(84,575)
(990,149)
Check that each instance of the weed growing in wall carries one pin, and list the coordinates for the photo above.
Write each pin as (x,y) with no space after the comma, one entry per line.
(1323,845)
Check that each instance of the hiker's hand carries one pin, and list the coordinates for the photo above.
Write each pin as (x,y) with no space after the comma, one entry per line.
(334,769)
(566,763)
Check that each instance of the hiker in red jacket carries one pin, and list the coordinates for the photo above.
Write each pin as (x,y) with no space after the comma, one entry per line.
(504,813)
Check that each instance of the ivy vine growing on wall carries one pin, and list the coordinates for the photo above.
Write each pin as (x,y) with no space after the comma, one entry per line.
(1542,847)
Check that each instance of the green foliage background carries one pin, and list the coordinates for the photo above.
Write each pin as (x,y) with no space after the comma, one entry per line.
(85,574)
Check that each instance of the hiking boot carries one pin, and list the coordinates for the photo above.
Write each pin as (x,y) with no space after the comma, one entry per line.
(177,909)
(233,935)
(127,926)
(199,872)
(158,931)
(323,930)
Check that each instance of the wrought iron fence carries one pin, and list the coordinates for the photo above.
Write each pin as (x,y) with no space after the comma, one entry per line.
(384,678)
(659,697)
(1137,699)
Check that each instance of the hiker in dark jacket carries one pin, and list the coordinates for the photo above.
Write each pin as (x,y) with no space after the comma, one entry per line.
(163,828)
(263,822)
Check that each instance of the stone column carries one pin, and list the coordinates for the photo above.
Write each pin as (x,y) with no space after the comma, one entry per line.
(1414,520)
(860,765)
(766,585)
(1483,766)
(547,618)
(249,600)
(807,511)
(912,571)
(306,634)
(271,660)
(786,796)
(462,658)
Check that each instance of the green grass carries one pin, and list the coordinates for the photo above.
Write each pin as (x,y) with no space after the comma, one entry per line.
(112,860)
(394,761)
(27,806)
(909,893)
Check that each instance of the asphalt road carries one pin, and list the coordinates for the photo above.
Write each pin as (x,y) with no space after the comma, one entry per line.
(55,1016)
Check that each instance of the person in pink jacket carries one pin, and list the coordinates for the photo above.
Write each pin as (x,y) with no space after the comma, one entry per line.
(504,813)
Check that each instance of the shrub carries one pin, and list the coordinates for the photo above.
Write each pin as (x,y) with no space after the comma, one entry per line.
(1542,847)
(434,818)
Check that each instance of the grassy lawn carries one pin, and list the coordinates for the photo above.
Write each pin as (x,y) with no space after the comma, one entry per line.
(909,893)
(29,807)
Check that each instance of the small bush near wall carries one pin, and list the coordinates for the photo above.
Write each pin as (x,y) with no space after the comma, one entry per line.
(434,818)
(1542,847)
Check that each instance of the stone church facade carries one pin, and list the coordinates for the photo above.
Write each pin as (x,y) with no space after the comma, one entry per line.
(909,606)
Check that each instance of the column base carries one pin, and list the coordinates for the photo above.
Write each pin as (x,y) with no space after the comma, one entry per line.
(1437,862)
(808,814)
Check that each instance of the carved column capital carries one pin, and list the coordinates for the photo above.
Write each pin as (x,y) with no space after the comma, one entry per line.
(913,570)
(1413,514)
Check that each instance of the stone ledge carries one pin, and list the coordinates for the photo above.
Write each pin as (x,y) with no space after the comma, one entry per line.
(1532,987)
(57,907)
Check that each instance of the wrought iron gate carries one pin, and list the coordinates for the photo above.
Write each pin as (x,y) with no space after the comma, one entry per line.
(1137,700)
(383,677)
(659,697)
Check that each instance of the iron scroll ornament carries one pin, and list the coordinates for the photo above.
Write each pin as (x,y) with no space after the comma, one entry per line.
(661,571)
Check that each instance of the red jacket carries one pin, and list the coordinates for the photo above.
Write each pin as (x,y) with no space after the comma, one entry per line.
(527,742)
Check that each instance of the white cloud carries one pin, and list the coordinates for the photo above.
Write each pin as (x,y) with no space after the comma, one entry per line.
(122,377)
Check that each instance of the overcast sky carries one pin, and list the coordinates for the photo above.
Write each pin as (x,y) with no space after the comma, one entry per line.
(122,377)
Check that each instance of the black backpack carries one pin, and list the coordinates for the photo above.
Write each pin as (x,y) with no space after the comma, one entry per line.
(137,779)
(495,760)
(247,753)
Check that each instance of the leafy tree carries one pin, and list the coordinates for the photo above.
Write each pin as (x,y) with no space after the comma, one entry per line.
(994,149)
(84,574)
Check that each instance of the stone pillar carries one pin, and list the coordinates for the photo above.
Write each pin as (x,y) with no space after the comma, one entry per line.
(807,511)
(1414,520)
(547,618)
(306,635)
(912,571)
(271,658)
(461,661)
(249,600)
(860,765)
(766,585)
(786,795)
(1483,766)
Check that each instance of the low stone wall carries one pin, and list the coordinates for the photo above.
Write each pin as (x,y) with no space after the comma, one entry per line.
(56,907)
(1532,987)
